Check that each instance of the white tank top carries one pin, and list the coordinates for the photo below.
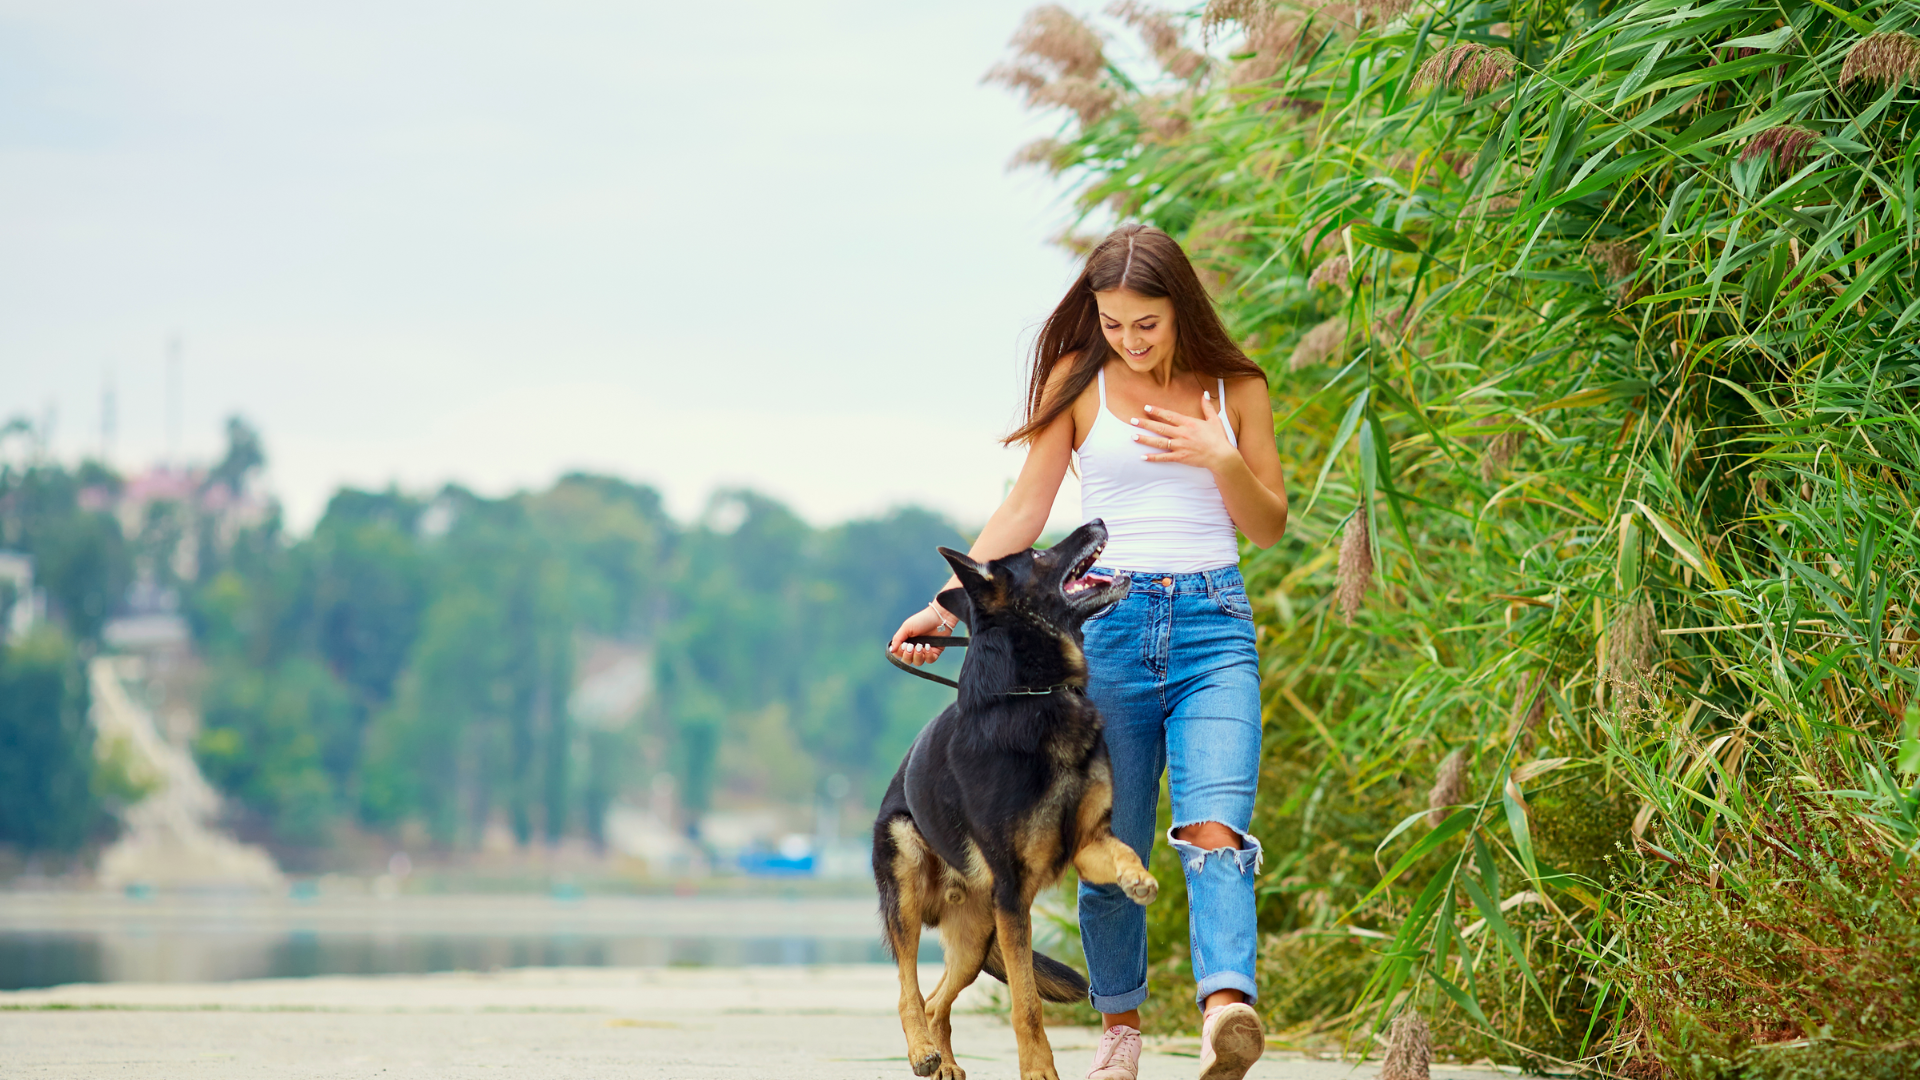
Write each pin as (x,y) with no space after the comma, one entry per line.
(1162,516)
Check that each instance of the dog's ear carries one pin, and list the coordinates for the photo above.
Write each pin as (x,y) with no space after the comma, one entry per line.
(957,604)
(971,574)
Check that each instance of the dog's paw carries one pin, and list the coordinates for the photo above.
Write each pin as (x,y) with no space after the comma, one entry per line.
(1043,1072)
(950,1071)
(1139,886)
(927,1065)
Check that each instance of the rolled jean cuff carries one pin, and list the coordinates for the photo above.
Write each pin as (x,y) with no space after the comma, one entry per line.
(1118,1003)
(1226,980)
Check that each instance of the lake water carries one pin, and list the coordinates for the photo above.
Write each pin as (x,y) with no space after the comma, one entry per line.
(52,939)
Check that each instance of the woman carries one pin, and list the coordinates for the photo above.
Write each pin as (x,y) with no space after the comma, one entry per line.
(1135,375)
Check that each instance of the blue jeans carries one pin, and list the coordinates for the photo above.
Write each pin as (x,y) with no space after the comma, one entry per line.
(1174,672)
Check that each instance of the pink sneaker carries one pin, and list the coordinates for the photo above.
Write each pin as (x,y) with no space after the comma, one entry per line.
(1231,1040)
(1118,1056)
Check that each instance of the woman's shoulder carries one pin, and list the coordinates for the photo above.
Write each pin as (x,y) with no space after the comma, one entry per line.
(1063,369)
(1061,378)
(1248,387)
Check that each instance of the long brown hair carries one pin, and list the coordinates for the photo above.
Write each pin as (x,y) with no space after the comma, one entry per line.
(1148,261)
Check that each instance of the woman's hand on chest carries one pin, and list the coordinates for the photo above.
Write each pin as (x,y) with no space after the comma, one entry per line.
(1168,435)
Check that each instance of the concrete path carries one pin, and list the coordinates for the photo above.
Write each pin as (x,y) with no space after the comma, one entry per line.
(765,1023)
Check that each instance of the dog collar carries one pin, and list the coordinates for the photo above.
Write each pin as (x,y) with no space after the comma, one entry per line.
(1027,691)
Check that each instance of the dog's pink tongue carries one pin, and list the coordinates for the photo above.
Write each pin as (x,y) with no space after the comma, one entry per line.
(1088,581)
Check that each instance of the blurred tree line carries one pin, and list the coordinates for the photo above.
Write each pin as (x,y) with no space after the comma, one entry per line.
(409,666)
(53,797)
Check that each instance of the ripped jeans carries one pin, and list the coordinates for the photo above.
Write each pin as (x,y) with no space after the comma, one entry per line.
(1174,672)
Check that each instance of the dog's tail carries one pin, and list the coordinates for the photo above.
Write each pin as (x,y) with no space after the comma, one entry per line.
(1055,980)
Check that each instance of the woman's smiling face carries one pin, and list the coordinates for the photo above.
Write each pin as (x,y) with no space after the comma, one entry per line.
(1140,328)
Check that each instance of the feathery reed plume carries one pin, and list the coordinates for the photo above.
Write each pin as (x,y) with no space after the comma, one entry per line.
(1017,76)
(1499,451)
(1620,261)
(1156,28)
(1165,118)
(1087,98)
(1529,702)
(1049,154)
(1322,343)
(1799,276)
(1384,11)
(1882,58)
(1276,41)
(1449,786)
(1633,646)
(1334,271)
(1409,1048)
(1395,325)
(1617,258)
(1498,447)
(1125,201)
(1356,565)
(1407,161)
(1786,143)
(1469,67)
(1226,11)
(1398,327)
(1060,61)
(1498,204)
(1052,34)
(1277,36)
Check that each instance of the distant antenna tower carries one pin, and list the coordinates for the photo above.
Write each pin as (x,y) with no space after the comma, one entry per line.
(173,400)
(108,419)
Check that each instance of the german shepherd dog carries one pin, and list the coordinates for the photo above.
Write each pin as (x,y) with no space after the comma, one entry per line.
(997,795)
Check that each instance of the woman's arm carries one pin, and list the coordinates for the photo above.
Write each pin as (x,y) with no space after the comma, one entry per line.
(1250,478)
(1014,526)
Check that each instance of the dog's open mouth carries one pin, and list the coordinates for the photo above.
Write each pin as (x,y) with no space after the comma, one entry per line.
(1077,580)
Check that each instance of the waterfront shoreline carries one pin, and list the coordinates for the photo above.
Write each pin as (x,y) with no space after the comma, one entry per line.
(48,939)
(799,1023)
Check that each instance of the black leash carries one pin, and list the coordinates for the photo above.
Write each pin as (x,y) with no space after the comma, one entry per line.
(929,639)
(961,643)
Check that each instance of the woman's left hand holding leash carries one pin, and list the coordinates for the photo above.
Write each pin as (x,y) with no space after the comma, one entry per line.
(1188,440)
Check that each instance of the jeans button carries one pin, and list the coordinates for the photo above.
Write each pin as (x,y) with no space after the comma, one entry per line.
(1166,583)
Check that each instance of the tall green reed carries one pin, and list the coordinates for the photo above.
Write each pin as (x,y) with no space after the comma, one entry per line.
(1591,330)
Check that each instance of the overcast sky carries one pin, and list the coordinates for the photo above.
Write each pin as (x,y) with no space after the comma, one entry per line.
(757,243)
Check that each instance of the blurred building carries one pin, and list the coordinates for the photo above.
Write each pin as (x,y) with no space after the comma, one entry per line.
(21,605)
(191,488)
(175,514)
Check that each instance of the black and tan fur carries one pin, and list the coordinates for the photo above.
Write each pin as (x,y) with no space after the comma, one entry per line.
(998,795)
